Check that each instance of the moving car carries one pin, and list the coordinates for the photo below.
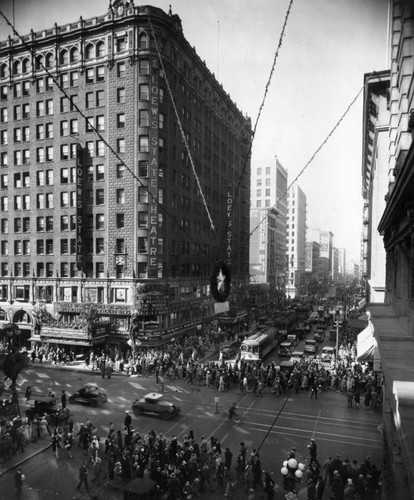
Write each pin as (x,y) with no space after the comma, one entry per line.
(292,338)
(89,394)
(310,346)
(327,356)
(297,356)
(229,349)
(285,349)
(155,404)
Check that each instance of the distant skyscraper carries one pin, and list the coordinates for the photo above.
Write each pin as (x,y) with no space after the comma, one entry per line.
(269,189)
(296,240)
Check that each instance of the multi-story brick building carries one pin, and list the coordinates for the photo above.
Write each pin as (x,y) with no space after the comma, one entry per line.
(101,202)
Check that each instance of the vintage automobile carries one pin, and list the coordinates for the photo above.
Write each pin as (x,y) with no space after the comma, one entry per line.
(46,405)
(89,394)
(285,349)
(297,356)
(154,404)
(229,349)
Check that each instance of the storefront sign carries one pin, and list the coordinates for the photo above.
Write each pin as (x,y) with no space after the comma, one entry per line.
(103,309)
(229,223)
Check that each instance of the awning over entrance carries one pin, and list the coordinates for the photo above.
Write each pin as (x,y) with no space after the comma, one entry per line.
(366,344)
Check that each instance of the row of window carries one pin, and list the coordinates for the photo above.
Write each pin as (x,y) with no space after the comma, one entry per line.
(69,56)
(47,269)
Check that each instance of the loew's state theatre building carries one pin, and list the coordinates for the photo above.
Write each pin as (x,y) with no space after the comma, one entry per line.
(100,207)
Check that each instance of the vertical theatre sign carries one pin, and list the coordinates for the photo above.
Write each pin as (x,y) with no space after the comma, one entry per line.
(229,223)
(153,177)
(79,208)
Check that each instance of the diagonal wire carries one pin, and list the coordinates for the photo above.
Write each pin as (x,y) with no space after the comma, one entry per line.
(248,154)
(97,132)
(184,138)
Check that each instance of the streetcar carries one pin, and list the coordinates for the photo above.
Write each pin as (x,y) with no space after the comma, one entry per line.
(259,345)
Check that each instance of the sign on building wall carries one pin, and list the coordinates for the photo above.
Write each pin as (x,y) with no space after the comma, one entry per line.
(153,176)
(79,208)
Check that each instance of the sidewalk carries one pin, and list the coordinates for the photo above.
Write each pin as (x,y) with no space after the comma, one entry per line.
(33,448)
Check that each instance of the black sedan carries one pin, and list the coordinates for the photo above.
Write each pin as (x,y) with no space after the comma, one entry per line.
(155,404)
(90,394)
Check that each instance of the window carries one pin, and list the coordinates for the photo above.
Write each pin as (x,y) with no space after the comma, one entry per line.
(74,126)
(120,70)
(100,123)
(4,248)
(89,124)
(120,196)
(26,134)
(100,148)
(64,105)
(74,79)
(100,49)
(143,143)
(161,121)
(64,175)
(142,270)
(3,92)
(64,57)
(89,100)
(4,181)
(100,98)
(40,247)
(64,128)
(40,108)
(121,120)
(26,110)
(160,145)
(143,41)
(4,226)
(17,90)
(120,171)
(120,221)
(100,197)
(3,115)
(100,222)
(26,247)
(144,67)
(100,73)
(143,220)
(49,83)
(40,132)
(64,80)
(40,155)
(142,245)
(49,153)
(89,51)
(18,225)
(100,172)
(3,137)
(26,224)
(120,145)
(144,92)
(100,247)
(26,156)
(17,135)
(49,130)
(143,118)
(142,195)
(120,95)
(3,159)
(89,75)
(120,44)
(64,247)
(100,270)
(143,169)
(90,148)
(17,157)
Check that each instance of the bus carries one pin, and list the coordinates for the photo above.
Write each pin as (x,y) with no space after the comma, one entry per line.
(259,345)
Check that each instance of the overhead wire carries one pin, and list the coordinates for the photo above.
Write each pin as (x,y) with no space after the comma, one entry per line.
(259,113)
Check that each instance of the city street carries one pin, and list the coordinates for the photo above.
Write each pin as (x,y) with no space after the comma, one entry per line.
(272,425)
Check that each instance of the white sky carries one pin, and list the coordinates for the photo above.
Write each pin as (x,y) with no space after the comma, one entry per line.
(328,46)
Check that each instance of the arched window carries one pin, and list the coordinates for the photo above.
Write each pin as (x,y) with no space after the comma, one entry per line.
(50,61)
(3,71)
(39,62)
(100,49)
(25,65)
(142,41)
(74,55)
(17,68)
(64,57)
(89,51)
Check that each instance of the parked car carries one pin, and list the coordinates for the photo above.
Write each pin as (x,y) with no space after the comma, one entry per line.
(46,405)
(89,394)
(154,404)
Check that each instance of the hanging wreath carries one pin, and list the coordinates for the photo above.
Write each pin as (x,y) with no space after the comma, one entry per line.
(220,282)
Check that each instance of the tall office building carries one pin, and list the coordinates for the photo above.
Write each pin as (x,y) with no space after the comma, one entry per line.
(296,241)
(99,200)
(269,190)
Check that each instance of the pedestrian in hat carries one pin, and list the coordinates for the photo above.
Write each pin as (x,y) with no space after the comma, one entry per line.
(313,451)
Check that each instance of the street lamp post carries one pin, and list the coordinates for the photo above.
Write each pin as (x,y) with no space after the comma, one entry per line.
(337,338)
(292,471)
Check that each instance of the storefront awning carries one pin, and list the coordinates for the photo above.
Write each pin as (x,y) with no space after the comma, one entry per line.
(366,344)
